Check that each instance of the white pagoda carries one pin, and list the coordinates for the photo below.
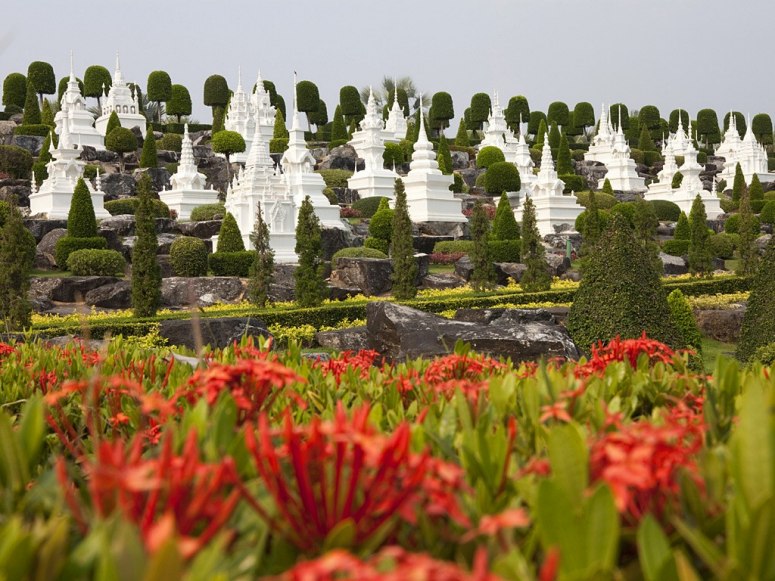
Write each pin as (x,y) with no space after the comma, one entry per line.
(300,178)
(238,118)
(188,185)
(428,196)
(552,207)
(259,183)
(374,179)
(728,148)
(621,167)
(261,110)
(73,112)
(602,142)
(395,126)
(663,188)
(524,163)
(497,133)
(123,101)
(681,141)
(56,193)
(748,152)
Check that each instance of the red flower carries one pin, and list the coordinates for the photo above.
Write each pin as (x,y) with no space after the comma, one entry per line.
(625,350)
(360,362)
(454,366)
(557,411)
(6,349)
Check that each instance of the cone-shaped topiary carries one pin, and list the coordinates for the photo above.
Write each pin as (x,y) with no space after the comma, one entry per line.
(536,277)
(113,122)
(444,157)
(749,232)
(31,107)
(310,284)
(81,221)
(461,139)
(682,229)
(483,275)
(564,161)
(700,256)
(554,136)
(593,226)
(645,143)
(541,134)
(755,190)
(381,223)
(17,252)
(338,128)
(280,130)
(229,237)
(47,114)
(620,293)
(146,273)
(402,250)
(759,319)
(505,226)
(684,321)
(148,157)
(738,185)
(262,269)
(607,187)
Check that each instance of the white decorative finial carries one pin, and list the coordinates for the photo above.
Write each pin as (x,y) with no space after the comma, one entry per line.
(239,77)
(295,93)
(72,75)
(98,181)
(33,183)
(423,135)
(619,129)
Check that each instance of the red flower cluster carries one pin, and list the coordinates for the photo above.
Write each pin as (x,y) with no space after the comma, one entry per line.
(454,366)
(625,350)
(6,349)
(360,361)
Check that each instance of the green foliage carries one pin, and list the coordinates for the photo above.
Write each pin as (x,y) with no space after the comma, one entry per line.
(45,154)
(367,207)
(517,111)
(700,259)
(338,128)
(765,355)
(337,178)
(541,134)
(564,162)
(505,225)
(381,223)
(17,253)
(645,143)
(767,215)
(573,182)
(237,263)
(722,245)
(501,176)
(619,111)
(121,140)
(14,90)
(749,232)
(188,256)
(480,109)
(761,126)
(91,262)
(94,78)
(504,250)
(66,245)
(626,209)
(648,117)
(379,244)
(179,103)
(357,252)
(483,275)
(228,143)
(673,121)
(453,247)
(148,158)
(113,123)
(620,293)
(683,320)
(739,122)
(607,188)
(219,118)
(39,130)
(81,222)
(146,273)
(461,138)
(229,237)
(349,102)
(682,229)
(676,247)
(758,327)
(444,157)
(261,270)
(534,123)
(558,113)
(41,75)
(458,186)
(678,177)
(169,142)
(319,116)
(755,190)
(31,108)
(443,109)
(583,115)
(489,155)
(707,126)
(554,136)
(308,96)
(15,161)
(603,201)
(310,284)
(394,154)
(47,115)
(592,224)
(536,278)
(159,87)
(129,205)
(278,144)
(39,172)
(216,91)
(402,250)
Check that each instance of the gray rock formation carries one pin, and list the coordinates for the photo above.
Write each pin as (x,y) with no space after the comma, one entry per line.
(215,332)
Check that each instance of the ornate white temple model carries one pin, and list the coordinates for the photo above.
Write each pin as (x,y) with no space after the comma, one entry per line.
(374,179)
(123,101)
(299,174)
(680,142)
(73,113)
(395,126)
(497,133)
(552,207)
(259,183)
(428,196)
(610,148)
(524,163)
(691,185)
(188,185)
(56,193)
(245,113)
(748,152)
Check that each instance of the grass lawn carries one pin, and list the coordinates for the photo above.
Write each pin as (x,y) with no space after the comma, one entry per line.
(50,273)
(711,349)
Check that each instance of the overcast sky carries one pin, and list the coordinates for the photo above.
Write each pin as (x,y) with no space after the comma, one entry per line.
(670,53)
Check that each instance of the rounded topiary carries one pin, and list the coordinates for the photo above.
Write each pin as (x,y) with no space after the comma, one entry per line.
(676,247)
(337,178)
(170,142)
(581,219)
(208,212)
(488,156)
(232,263)
(66,245)
(381,223)
(666,211)
(604,201)
(501,176)
(573,182)
(626,209)
(229,237)
(92,262)
(732,224)
(722,245)
(367,207)
(767,215)
(379,244)
(15,161)
(357,252)
(188,256)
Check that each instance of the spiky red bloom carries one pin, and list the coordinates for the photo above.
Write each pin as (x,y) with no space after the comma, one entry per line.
(625,350)
(357,361)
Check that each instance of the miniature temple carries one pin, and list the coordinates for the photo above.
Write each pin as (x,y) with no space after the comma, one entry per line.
(261,110)
(428,196)
(188,185)
(680,142)
(373,180)
(524,163)
(299,174)
(497,133)
(395,126)
(56,192)
(238,119)
(748,152)
(610,148)
(73,112)
(600,148)
(121,99)
(662,189)
(553,208)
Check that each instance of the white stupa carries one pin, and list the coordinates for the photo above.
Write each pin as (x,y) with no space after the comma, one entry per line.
(428,196)
(552,207)
(395,126)
(238,118)
(188,185)
(261,110)
(374,179)
(121,100)
(728,149)
(748,152)
(524,162)
(497,132)
(73,112)
(259,183)
(680,142)
(299,174)
(622,173)
(662,189)
(56,193)
(602,142)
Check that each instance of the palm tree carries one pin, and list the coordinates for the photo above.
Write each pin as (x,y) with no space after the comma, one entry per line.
(382,93)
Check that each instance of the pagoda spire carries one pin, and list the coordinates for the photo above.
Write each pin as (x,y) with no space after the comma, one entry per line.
(619,128)
(117,76)
(295,120)
(72,74)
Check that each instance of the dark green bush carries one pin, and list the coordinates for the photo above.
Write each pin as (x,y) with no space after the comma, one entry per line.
(38,130)
(378,244)
(453,247)
(208,212)
(501,176)
(278,144)
(488,156)
(732,224)
(722,245)
(229,236)
(129,205)
(604,201)
(331,196)
(68,244)
(231,263)
(504,250)
(188,256)
(638,155)
(758,327)
(676,247)
(757,206)
(336,178)
(15,161)
(626,209)
(458,186)
(357,252)
(90,171)
(765,354)
(683,318)
(367,207)
(170,142)
(573,182)
(767,215)
(381,223)
(91,262)
(651,157)
(581,219)
(666,211)
(678,177)
(394,154)
(702,157)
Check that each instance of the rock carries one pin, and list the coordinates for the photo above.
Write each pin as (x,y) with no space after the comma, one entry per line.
(399,332)
(113,239)
(205,229)
(340,293)
(559,241)
(106,156)
(370,275)
(165,265)
(179,291)
(464,268)
(31,143)
(352,339)
(139,135)
(721,324)
(47,245)
(442,281)
(505,271)
(163,241)
(68,289)
(43,288)
(453,229)
(666,229)
(167,156)
(426,244)
(557,264)
(44,261)
(762,242)
(122,224)
(218,333)
(160,177)
(6,132)
(40,228)
(19,189)
(117,185)
(673,264)
(460,159)
(342,157)
(333,240)
(40,304)
(111,296)
(281,293)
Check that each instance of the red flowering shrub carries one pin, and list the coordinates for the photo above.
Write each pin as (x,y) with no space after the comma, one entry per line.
(349,212)
(625,350)
(358,361)
(446,257)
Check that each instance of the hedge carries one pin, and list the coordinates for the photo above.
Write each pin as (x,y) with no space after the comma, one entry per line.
(676,247)
(208,212)
(39,130)
(604,201)
(129,205)
(357,252)
(335,178)
(573,182)
(188,256)
(170,142)
(231,263)
(505,250)
(92,262)
(68,244)
(453,247)
(666,211)
(15,161)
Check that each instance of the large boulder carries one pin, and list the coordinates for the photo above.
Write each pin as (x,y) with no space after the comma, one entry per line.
(506,271)
(342,157)
(46,249)
(557,264)
(204,229)
(32,143)
(673,264)
(163,244)
(16,189)
(40,228)
(118,185)
(6,132)
(442,281)
(179,291)
(333,240)
(721,324)
(68,289)
(283,287)
(398,332)
(370,275)
(122,224)
(352,339)
(160,177)
(218,333)
(111,296)
(464,268)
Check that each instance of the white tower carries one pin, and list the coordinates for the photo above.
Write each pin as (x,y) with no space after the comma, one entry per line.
(121,100)
(73,112)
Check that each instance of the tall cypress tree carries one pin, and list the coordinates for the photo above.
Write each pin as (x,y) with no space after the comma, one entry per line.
(31,107)
(607,187)
(758,327)
(505,225)
(483,276)
(444,157)
(113,123)
(310,284)
(700,257)
(593,226)
(554,136)
(739,184)
(262,269)
(541,134)
(536,277)
(17,253)
(146,274)
(148,156)
(338,129)
(461,139)
(564,162)
(749,232)
(402,249)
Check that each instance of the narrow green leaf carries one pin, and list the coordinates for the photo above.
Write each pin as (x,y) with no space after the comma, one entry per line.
(569,459)
(167,563)
(601,523)
(656,558)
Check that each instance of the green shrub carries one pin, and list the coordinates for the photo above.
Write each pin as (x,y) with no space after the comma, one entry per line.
(626,209)
(666,211)
(357,252)
(90,171)
(732,224)
(188,256)
(678,177)
(501,176)
(15,161)
(581,219)
(170,142)
(505,225)
(81,222)
(651,157)
(91,262)
(278,144)
(394,154)
(604,201)
(758,327)
(458,186)
(504,250)
(676,247)
(638,155)
(231,263)
(68,244)
(481,180)
(40,171)
(769,196)
(229,236)
(36,129)
(683,319)
(379,244)
(765,355)
(331,196)
(573,182)
(767,215)
(453,247)
(702,157)
(335,178)
(208,212)
(367,207)
(381,223)
(488,156)
(129,205)
(682,229)
(757,206)
(722,245)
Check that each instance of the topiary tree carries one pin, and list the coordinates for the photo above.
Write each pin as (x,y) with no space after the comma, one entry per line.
(583,115)
(620,294)
(113,123)
(755,190)
(749,232)
(536,277)
(96,79)
(219,118)
(179,103)
(607,187)
(41,75)
(739,122)
(758,327)
(14,92)
(645,143)
(307,98)
(47,115)
(216,92)
(159,89)
(682,229)
(443,110)
(541,134)
(338,129)
(319,117)
(517,111)
(81,221)
(31,108)
(262,269)
(17,253)
(146,273)
(403,99)
(685,324)
(564,162)
(505,226)
(148,158)
(738,185)
(461,138)
(593,226)
(401,249)
(554,136)
(310,283)
(675,114)
(444,157)
(534,124)
(188,256)
(707,126)
(617,111)
(228,143)
(648,117)
(480,110)
(558,113)
(280,130)
(229,237)
(488,156)
(761,126)
(700,256)
(121,140)
(675,183)
(350,102)
(483,275)
(501,176)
